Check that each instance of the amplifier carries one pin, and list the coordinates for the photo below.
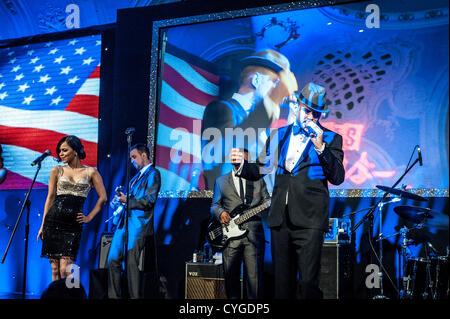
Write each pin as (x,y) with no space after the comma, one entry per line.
(105,244)
(204,281)
(336,271)
(338,230)
(147,259)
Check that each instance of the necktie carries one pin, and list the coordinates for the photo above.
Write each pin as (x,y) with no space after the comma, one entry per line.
(135,180)
(241,189)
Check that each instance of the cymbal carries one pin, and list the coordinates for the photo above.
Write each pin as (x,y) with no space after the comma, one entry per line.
(425,216)
(402,193)
(413,213)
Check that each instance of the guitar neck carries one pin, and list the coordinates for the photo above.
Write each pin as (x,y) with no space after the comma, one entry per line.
(251,212)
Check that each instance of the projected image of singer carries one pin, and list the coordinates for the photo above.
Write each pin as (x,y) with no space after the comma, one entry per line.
(143,192)
(298,217)
(63,219)
(262,87)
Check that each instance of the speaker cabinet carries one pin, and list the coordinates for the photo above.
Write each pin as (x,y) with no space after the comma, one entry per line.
(204,281)
(147,258)
(336,271)
(105,244)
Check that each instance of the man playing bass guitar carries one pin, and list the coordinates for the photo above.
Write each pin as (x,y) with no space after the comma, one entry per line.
(230,192)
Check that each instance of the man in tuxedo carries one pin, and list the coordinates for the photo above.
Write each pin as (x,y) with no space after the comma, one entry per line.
(306,157)
(252,106)
(230,192)
(144,189)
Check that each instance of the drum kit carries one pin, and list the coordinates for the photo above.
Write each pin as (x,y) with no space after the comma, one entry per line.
(422,277)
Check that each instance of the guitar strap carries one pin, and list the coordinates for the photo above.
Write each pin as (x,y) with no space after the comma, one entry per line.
(249,186)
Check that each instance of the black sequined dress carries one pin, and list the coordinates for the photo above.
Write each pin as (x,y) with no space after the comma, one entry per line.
(61,230)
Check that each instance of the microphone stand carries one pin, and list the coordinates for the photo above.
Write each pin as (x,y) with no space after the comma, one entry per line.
(371,211)
(369,216)
(129,134)
(27,204)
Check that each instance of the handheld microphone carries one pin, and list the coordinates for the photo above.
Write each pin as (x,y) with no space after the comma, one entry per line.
(41,157)
(312,128)
(129,130)
(420,156)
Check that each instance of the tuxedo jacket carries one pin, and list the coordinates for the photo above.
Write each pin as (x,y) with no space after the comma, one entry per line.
(306,187)
(226,198)
(143,191)
(220,115)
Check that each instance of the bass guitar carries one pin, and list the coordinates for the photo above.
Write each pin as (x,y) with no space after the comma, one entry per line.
(219,234)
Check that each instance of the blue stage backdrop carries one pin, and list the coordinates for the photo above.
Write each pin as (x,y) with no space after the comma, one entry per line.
(47,90)
(388,88)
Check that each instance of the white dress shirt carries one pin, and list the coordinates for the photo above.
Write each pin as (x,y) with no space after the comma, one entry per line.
(297,145)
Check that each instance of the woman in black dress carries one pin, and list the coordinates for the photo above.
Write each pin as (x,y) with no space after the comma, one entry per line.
(63,218)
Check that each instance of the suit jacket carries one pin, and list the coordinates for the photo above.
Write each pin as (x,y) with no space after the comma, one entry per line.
(226,198)
(221,115)
(143,195)
(307,185)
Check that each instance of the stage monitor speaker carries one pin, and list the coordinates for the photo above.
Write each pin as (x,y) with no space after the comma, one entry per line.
(204,281)
(336,271)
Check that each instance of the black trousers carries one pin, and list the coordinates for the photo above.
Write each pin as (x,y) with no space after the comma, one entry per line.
(115,261)
(296,251)
(252,254)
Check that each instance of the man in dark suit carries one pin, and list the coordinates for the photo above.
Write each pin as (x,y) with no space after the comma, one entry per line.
(231,191)
(144,189)
(306,156)
(255,105)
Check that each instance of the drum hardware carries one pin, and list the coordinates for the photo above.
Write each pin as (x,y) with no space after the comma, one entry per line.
(380,205)
(421,215)
(392,190)
(380,234)
(424,277)
(442,288)
(402,193)
(407,281)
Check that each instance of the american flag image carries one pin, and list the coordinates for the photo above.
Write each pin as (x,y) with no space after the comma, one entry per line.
(47,91)
(188,85)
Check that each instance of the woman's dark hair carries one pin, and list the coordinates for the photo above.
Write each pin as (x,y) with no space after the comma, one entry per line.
(75,143)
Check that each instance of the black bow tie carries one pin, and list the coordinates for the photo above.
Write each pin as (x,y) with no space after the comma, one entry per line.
(298,130)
